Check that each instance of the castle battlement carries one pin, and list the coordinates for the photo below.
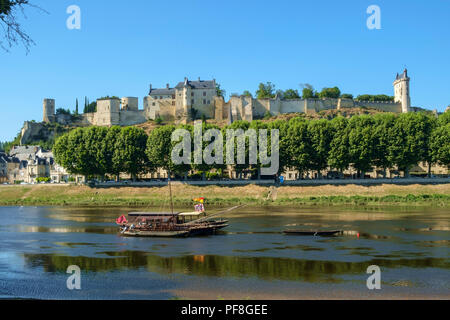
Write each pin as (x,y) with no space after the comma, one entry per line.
(194,99)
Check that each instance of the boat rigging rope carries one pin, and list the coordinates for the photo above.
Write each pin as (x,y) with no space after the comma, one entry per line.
(215,214)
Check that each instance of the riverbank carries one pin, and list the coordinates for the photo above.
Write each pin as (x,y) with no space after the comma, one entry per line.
(72,195)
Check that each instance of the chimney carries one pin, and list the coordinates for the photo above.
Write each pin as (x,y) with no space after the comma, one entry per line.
(198,79)
(186,81)
(167,86)
(150,89)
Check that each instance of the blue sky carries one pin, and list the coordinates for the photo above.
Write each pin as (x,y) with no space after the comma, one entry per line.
(123,46)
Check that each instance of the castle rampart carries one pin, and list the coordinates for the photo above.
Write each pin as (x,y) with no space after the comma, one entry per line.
(199,98)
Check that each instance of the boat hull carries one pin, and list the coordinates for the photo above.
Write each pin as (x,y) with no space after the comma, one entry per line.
(157,234)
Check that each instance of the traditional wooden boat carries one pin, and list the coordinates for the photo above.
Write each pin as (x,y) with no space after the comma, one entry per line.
(321,233)
(167,224)
(171,224)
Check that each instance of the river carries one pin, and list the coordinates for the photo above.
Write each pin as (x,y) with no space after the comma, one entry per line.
(251,259)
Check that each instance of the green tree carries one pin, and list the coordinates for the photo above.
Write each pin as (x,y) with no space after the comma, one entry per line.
(71,152)
(330,93)
(204,167)
(219,91)
(298,146)
(444,118)
(237,125)
(291,94)
(76,107)
(361,143)
(159,147)
(410,137)
(259,125)
(440,145)
(247,93)
(374,98)
(384,123)
(320,136)
(285,154)
(183,168)
(63,111)
(308,92)
(339,156)
(346,96)
(93,139)
(265,91)
(130,151)
(113,164)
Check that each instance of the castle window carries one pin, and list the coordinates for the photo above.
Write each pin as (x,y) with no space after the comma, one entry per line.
(192,94)
(173,103)
(192,101)
(153,104)
(209,102)
(204,93)
(204,101)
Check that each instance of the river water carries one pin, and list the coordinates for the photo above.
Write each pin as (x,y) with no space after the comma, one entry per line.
(251,259)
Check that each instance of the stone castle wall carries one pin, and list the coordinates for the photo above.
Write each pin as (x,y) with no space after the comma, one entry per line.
(247,108)
(179,105)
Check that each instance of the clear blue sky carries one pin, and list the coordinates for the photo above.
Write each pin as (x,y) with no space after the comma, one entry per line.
(123,46)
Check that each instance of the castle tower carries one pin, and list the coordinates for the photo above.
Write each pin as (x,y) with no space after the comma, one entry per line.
(130,103)
(49,110)
(108,112)
(401,91)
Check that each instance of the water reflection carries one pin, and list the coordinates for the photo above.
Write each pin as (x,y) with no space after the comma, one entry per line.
(410,246)
(266,268)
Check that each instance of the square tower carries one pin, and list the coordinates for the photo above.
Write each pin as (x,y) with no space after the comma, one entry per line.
(49,110)
(108,112)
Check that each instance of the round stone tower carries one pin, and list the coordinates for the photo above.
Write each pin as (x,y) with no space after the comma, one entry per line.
(401,90)
(49,110)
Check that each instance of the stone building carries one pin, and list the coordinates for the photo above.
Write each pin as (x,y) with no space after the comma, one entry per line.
(28,163)
(188,100)
(194,99)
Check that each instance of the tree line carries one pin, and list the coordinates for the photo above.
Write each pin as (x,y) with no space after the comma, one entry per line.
(268,91)
(384,140)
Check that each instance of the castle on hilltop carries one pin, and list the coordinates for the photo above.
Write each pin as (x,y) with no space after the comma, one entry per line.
(193,99)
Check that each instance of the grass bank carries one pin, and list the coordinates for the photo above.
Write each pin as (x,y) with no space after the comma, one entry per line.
(68,195)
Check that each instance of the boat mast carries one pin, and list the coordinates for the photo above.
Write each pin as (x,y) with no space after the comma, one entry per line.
(170,191)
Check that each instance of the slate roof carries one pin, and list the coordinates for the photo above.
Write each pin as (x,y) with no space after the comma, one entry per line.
(162,92)
(24,150)
(404,75)
(8,159)
(201,84)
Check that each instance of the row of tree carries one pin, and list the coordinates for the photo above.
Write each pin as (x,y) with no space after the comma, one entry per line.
(267,91)
(363,142)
